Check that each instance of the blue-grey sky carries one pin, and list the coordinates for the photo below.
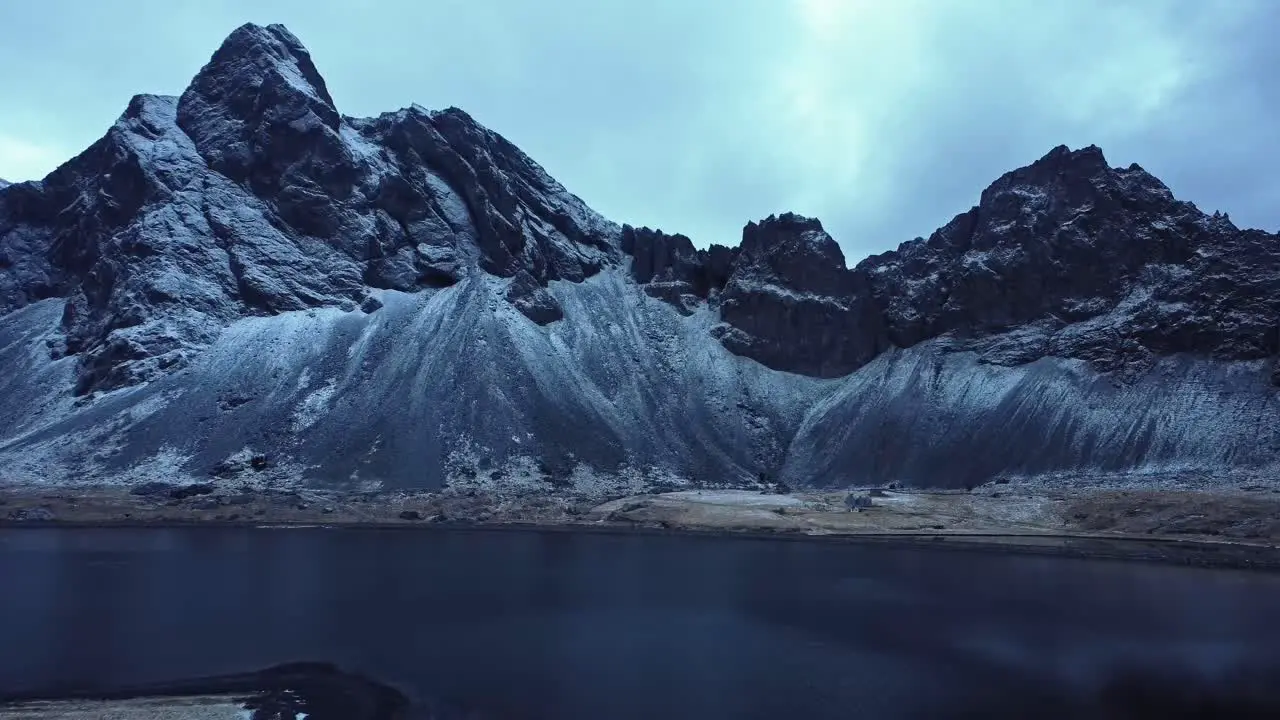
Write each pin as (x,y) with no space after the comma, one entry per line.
(882,117)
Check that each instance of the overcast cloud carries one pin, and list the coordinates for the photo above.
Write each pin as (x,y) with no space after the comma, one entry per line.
(882,118)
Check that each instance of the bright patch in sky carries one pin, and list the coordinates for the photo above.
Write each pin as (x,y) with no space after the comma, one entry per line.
(22,159)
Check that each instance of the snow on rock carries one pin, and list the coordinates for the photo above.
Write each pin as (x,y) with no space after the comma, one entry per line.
(244,282)
(250,194)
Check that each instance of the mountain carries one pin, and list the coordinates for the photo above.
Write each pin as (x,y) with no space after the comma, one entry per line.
(243,283)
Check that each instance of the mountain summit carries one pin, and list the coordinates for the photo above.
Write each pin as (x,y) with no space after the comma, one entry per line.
(409,300)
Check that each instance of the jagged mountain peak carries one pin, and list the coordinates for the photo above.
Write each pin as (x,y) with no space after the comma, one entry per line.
(259,108)
(789,237)
(1030,202)
(1061,168)
(1081,158)
(455,112)
(1090,261)
(250,194)
(789,221)
(253,52)
(1072,181)
(4,183)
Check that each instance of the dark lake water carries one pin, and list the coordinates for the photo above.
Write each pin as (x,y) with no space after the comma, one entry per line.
(558,625)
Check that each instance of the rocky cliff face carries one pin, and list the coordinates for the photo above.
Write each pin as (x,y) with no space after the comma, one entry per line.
(250,195)
(243,272)
(1071,258)
(791,304)
(1067,257)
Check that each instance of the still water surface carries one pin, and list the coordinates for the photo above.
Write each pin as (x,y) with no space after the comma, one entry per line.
(559,625)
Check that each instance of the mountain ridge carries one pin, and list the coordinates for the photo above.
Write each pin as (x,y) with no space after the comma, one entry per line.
(518,332)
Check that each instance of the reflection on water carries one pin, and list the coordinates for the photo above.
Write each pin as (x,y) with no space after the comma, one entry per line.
(555,625)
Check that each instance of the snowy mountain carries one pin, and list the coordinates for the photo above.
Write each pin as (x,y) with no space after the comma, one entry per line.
(242,282)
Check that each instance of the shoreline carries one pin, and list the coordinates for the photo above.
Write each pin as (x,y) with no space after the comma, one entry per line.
(1122,548)
(1224,527)
(290,689)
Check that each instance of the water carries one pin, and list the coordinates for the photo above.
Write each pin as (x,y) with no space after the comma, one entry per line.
(558,625)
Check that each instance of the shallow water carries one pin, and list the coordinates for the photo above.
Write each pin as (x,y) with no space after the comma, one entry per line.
(561,625)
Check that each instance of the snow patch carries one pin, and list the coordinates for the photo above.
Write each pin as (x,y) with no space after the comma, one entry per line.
(148,406)
(743,284)
(167,465)
(314,406)
(627,480)
(367,152)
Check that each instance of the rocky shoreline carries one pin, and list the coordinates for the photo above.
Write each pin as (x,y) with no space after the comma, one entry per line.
(320,691)
(1237,528)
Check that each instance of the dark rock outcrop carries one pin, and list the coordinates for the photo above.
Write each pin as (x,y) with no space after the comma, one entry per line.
(659,256)
(670,269)
(533,300)
(1069,257)
(791,304)
(259,113)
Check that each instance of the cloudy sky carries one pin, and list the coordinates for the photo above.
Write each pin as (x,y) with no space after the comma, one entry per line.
(882,117)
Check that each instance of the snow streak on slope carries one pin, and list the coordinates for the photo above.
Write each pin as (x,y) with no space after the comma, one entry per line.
(933,417)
